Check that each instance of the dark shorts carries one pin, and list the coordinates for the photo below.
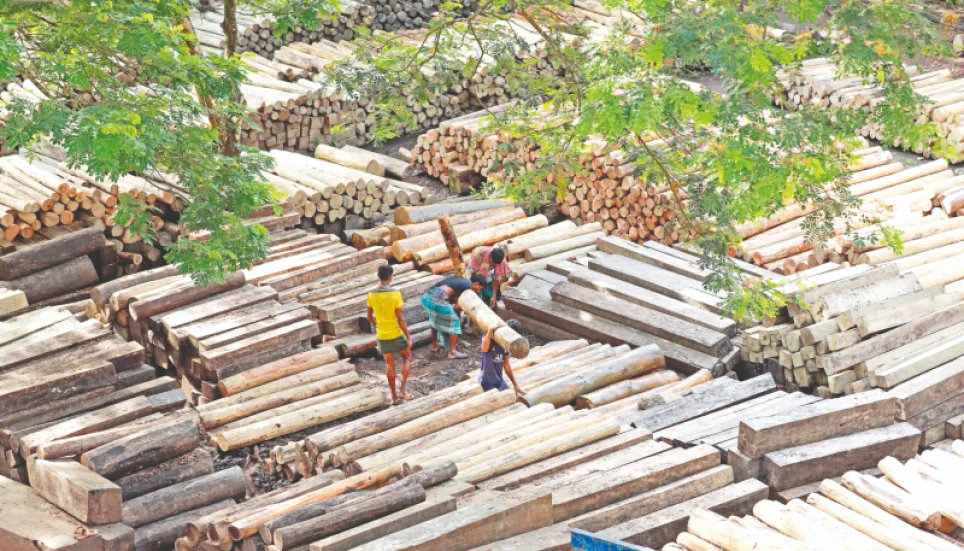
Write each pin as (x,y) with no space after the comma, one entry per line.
(392,346)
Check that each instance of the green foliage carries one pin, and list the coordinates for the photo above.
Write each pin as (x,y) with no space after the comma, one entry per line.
(83,55)
(734,158)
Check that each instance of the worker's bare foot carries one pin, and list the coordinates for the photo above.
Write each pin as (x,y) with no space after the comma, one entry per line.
(396,401)
(405,397)
(456,355)
(435,347)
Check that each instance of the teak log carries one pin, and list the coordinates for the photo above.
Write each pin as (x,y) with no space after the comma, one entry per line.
(102,293)
(403,250)
(143,309)
(627,388)
(515,344)
(349,159)
(479,238)
(50,253)
(273,371)
(452,244)
(84,494)
(136,451)
(160,535)
(193,464)
(56,280)
(77,445)
(565,390)
(893,500)
(413,215)
(185,496)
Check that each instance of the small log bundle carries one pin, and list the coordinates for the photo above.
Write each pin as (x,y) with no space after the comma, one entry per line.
(818,83)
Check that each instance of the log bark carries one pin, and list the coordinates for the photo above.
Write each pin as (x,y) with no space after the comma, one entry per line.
(50,253)
(404,250)
(273,371)
(880,532)
(513,343)
(414,215)
(349,159)
(143,309)
(104,418)
(77,445)
(160,536)
(193,464)
(565,390)
(568,244)
(349,517)
(488,236)
(292,422)
(185,496)
(893,500)
(137,451)
(452,244)
(56,280)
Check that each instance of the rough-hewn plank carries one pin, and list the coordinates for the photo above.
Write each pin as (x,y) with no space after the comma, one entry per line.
(76,489)
(28,522)
(696,405)
(829,458)
(657,279)
(930,389)
(433,507)
(659,528)
(816,421)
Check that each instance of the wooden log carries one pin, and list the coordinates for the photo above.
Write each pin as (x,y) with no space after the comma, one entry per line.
(273,371)
(517,246)
(457,413)
(299,420)
(565,390)
(715,529)
(413,215)
(930,389)
(919,487)
(624,389)
(797,526)
(136,451)
(564,245)
(84,494)
(696,405)
(663,526)
(670,328)
(658,280)
(77,445)
(472,526)
(193,464)
(816,422)
(919,363)
(50,253)
(160,536)
(893,500)
(349,159)
(452,244)
(879,532)
(433,507)
(228,484)
(865,508)
(103,418)
(395,168)
(248,525)
(349,517)
(515,344)
(143,309)
(830,458)
(55,280)
(480,238)
(403,250)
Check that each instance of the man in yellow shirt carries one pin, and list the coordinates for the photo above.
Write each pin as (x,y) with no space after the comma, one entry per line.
(386,316)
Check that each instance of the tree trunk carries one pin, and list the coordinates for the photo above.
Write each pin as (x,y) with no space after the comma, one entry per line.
(483,316)
(405,249)
(191,465)
(479,238)
(273,371)
(628,388)
(414,215)
(160,536)
(50,253)
(137,451)
(185,496)
(56,280)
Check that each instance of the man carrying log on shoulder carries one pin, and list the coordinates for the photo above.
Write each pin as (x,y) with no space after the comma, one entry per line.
(495,361)
(491,264)
(444,315)
(386,314)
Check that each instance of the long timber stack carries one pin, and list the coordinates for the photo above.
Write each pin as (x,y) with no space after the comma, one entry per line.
(921,201)
(818,83)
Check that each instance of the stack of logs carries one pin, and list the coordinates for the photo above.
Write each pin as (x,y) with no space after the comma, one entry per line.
(870,327)
(819,83)
(916,201)
(43,194)
(906,509)
(625,293)
(342,182)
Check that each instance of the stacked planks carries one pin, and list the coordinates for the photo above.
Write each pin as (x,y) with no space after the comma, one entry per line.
(349,182)
(853,334)
(906,510)
(631,294)
(819,83)
(908,199)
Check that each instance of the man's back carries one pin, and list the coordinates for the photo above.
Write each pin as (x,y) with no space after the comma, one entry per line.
(383,302)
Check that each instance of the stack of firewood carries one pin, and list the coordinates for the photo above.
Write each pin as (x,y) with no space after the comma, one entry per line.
(913,200)
(818,83)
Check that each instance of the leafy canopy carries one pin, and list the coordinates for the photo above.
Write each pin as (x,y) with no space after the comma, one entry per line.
(731,157)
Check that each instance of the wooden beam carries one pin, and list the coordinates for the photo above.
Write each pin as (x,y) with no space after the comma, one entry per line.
(433,507)
(930,389)
(76,489)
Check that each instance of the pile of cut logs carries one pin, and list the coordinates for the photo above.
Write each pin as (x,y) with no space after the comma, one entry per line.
(819,83)
(624,293)
(918,201)
(906,509)
(343,181)
(851,336)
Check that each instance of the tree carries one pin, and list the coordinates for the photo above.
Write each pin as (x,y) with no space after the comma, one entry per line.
(733,157)
(181,118)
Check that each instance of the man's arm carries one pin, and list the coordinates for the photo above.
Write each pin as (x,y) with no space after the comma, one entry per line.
(508,372)
(371,317)
(400,315)
(487,341)
(496,285)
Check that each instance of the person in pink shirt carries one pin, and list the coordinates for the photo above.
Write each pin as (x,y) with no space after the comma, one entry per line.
(491,264)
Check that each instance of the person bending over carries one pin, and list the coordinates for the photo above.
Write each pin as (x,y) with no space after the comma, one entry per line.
(441,301)
(385,312)
(493,266)
(495,362)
